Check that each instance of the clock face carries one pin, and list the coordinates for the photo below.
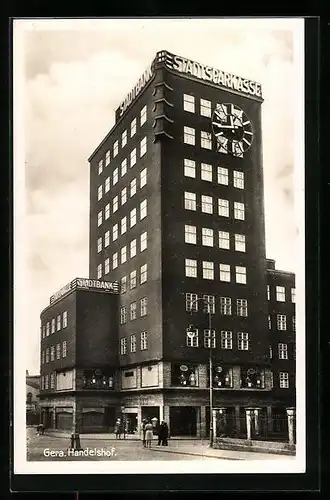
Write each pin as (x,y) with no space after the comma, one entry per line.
(232,128)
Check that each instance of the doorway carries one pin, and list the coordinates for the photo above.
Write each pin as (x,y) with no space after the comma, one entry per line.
(183,420)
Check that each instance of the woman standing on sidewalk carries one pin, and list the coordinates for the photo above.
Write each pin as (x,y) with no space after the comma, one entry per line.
(149,434)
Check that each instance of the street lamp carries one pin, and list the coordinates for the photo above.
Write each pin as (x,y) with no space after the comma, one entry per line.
(190,329)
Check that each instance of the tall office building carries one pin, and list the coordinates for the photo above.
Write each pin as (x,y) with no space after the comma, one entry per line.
(177,218)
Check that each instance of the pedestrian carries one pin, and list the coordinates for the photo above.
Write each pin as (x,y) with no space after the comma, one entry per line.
(149,434)
(163,434)
(143,433)
(118,429)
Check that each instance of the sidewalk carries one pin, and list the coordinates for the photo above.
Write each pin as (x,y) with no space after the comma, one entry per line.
(111,436)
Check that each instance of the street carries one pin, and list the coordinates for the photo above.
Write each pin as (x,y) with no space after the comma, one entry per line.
(55,448)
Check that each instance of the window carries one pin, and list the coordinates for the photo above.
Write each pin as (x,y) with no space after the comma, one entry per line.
(207,237)
(284,380)
(123,196)
(107,211)
(123,346)
(190,234)
(226,340)
(143,146)
(47,329)
(240,243)
(123,167)
(191,302)
(132,311)
(189,168)
(64,349)
(43,331)
(281,322)
(192,337)
(58,323)
(132,217)
(243,341)
(99,245)
(115,204)
(224,240)
(100,169)
(239,210)
(114,232)
(280,294)
(107,266)
(191,268)
(123,284)
(225,306)
(207,204)
(224,272)
(209,339)
(269,322)
(115,149)
(106,239)
(115,176)
(223,207)
(123,315)
(133,342)
(133,187)
(223,176)
(115,260)
(189,201)
(132,249)
(107,158)
(133,127)
(46,381)
(238,179)
(124,138)
(143,209)
(99,192)
(144,306)
(52,353)
(189,103)
(123,225)
(99,218)
(206,140)
(241,305)
(47,355)
(268,292)
(65,319)
(58,351)
(270,352)
(282,351)
(208,270)
(53,325)
(143,115)
(123,254)
(143,241)
(132,280)
(206,172)
(143,177)
(52,380)
(144,341)
(133,158)
(99,271)
(107,185)
(293,295)
(294,323)
(143,273)
(189,135)
(240,274)
(209,304)
(205,108)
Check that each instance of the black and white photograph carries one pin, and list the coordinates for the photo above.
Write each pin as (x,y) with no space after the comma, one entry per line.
(159,246)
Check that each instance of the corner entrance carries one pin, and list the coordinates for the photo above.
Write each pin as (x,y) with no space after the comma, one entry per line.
(183,420)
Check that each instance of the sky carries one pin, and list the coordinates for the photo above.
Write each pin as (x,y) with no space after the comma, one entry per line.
(73,74)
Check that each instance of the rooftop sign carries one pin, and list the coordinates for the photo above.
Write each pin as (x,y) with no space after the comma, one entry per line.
(85,284)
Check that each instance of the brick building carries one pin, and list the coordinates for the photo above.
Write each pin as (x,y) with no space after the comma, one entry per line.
(177,219)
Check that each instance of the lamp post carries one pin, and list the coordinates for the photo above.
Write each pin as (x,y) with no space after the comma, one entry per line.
(206,301)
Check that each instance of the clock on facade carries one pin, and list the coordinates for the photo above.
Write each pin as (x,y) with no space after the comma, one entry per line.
(232,129)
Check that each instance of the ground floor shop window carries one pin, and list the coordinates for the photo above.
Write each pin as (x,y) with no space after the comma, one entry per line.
(98,379)
(252,377)
(183,420)
(184,375)
(222,376)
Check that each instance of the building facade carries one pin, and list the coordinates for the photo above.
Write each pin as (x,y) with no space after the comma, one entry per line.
(32,399)
(177,220)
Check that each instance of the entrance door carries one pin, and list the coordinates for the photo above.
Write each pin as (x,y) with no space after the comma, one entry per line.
(183,420)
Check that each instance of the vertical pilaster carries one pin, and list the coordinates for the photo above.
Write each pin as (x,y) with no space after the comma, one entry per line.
(203,421)
(269,418)
(291,416)
(249,412)
(236,377)
(237,420)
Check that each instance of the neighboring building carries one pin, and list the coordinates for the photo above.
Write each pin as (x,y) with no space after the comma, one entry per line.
(177,214)
(32,399)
